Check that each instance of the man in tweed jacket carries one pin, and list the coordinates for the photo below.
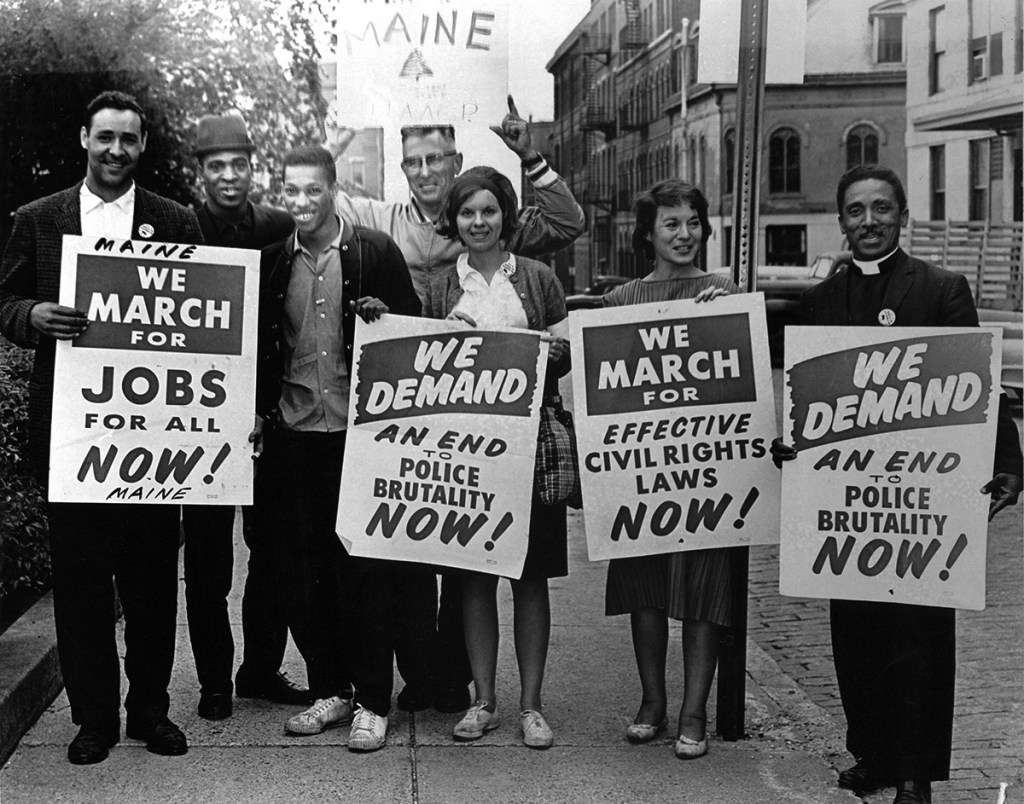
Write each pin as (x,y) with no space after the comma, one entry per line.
(93,544)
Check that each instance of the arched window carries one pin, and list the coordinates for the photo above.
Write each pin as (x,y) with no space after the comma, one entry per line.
(784,161)
(861,147)
(729,161)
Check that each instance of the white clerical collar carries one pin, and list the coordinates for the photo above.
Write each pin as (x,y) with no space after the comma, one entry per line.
(90,201)
(872,267)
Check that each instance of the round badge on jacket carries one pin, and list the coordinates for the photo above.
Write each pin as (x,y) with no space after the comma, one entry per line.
(887,317)
(146,230)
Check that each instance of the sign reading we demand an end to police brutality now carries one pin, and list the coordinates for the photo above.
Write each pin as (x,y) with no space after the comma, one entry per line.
(441,443)
(895,431)
(154,402)
(675,415)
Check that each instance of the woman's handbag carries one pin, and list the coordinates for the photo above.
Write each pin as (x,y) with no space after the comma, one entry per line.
(556,470)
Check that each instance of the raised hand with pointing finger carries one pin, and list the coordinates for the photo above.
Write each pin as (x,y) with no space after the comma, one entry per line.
(515,133)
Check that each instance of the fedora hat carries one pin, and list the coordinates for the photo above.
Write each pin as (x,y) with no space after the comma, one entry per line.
(222,133)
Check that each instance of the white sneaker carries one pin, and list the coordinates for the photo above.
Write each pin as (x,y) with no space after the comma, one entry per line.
(536,731)
(369,731)
(476,723)
(324,714)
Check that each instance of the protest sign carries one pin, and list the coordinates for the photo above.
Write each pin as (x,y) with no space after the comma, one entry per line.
(154,402)
(675,415)
(895,430)
(426,62)
(441,442)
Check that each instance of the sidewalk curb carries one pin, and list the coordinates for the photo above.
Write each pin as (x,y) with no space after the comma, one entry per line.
(30,676)
(797,718)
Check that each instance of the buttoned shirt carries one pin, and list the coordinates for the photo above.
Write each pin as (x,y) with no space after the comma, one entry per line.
(107,219)
(314,396)
(490,305)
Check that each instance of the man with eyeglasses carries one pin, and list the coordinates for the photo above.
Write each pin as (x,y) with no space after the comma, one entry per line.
(431,161)
(229,219)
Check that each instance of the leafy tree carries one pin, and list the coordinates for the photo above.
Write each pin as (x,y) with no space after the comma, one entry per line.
(180,58)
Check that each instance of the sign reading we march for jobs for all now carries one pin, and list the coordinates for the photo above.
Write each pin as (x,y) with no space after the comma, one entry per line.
(895,430)
(441,443)
(154,402)
(675,415)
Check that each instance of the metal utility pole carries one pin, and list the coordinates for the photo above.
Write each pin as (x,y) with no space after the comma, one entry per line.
(732,658)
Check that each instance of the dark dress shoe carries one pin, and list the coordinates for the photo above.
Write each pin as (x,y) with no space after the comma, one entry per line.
(452,700)
(276,688)
(161,737)
(215,705)
(93,741)
(862,779)
(413,699)
(913,793)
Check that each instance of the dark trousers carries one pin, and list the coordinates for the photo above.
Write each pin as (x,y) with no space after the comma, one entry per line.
(92,546)
(337,607)
(414,623)
(209,560)
(896,668)
(454,671)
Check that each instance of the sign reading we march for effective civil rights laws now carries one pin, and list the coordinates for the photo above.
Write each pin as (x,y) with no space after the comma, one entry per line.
(675,415)
(442,436)
(895,430)
(154,402)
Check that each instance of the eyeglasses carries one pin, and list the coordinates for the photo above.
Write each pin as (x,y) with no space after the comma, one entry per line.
(411,164)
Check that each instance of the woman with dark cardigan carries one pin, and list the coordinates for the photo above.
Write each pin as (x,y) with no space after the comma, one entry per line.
(671,230)
(490,288)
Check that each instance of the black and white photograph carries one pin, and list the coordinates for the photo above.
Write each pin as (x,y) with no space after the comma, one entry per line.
(269,536)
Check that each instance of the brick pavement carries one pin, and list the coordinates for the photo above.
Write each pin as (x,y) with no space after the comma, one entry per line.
(988,730)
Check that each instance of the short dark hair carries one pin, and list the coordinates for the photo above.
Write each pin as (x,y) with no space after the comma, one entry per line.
(470,183)
(114,99)
(448,132)
(864,172)
(312,156)
(667,193)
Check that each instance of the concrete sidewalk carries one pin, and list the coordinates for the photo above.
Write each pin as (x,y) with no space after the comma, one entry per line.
(591,694)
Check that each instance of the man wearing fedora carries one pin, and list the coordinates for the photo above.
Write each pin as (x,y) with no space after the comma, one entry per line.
(94,545)
(229,219)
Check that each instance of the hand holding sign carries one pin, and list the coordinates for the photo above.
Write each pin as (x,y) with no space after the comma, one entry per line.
(57,321)
(1005,489)
(368,308)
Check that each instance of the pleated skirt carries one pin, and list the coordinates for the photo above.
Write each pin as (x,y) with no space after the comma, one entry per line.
(692,585)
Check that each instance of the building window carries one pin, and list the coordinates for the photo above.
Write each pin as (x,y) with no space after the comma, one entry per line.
(861,147)
(784,162)
(357,171)
(979,59)
(995,54)
(729,161)
(890,40)
(979,180)
(1018,49)
(786,245)
(937,171)
(936,49)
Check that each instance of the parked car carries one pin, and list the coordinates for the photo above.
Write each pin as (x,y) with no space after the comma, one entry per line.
(590,298)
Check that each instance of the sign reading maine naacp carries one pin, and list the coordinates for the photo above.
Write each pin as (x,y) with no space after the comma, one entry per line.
(441,443)
(675,415)
(895,429)
(154,402)
(426,62)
